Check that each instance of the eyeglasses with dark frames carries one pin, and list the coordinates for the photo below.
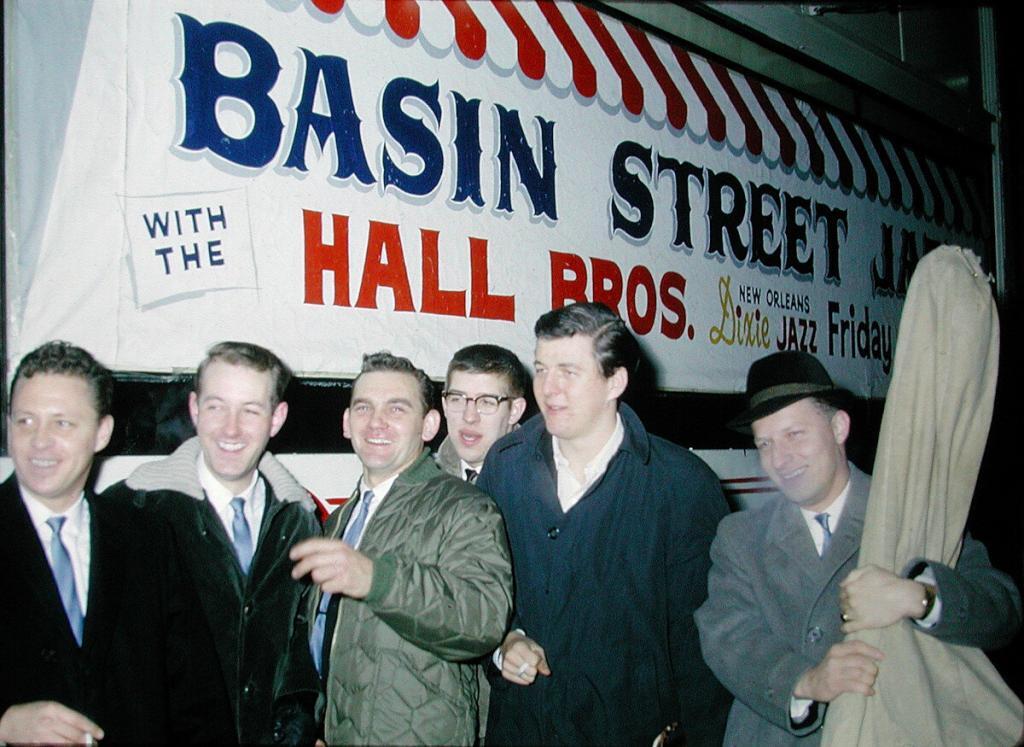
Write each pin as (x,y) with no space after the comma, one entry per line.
(486,404)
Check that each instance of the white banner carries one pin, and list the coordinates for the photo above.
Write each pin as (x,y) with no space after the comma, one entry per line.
(326,179)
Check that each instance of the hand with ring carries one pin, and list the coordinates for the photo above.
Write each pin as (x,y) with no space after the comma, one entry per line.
(523,659)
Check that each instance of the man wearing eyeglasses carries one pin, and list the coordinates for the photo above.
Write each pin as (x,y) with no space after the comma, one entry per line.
(484,398)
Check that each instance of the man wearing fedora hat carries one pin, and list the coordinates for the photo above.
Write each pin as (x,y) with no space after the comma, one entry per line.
(784,585)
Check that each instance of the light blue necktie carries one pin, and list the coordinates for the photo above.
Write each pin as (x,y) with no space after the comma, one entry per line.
(826,532)
(65,577)
(351,538)
(242,536)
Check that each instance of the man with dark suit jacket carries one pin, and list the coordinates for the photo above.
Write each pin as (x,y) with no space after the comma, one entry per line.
(234,511)
(98,639)
(784,585)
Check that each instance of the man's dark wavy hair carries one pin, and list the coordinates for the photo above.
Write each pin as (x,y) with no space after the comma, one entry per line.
(614,345)
(59,357)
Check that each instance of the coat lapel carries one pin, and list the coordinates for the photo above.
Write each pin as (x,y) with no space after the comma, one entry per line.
(846,540)
(793,555)
(23,554)
(336,521)
(791,552)
(217,546)
(545,477)
(262,562)
(106,582)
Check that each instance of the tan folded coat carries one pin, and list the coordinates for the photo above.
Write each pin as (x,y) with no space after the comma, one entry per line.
(940,404)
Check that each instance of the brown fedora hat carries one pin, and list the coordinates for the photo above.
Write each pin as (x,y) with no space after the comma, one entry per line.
(779,380)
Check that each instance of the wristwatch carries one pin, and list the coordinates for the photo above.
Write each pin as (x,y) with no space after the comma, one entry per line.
(930,591)
(928,601)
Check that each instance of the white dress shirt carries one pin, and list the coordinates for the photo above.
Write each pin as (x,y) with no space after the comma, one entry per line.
(570,490)
(835,513)
(75,534)
(464,465)
(380,492)
(255,496)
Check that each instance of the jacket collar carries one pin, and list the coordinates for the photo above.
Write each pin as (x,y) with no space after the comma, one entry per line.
(447,458)
(534,435)
(420,471)
(178,472)
(787,529)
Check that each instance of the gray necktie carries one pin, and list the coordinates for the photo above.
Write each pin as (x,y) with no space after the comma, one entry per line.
(65,577)
(355,529)
(352,535)
(826,532)
(242,536)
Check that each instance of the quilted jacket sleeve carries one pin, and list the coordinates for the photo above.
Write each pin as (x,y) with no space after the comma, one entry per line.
(456,603)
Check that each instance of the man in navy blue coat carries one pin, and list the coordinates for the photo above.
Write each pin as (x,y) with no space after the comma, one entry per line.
(609,528)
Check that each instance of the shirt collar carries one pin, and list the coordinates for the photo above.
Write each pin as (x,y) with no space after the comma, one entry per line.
(215,491)
(380,490)
(39,512)
(596,466)
(834,511)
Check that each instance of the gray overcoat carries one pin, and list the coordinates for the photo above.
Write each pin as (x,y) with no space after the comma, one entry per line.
(773,609)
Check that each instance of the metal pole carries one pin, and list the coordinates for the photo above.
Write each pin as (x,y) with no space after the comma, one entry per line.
(993,105)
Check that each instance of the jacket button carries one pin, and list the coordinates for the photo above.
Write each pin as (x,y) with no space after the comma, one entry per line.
(247,609)
(247,690)
(814,634)
(553,532)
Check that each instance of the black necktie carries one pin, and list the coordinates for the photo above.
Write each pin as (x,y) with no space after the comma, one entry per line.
(471,475)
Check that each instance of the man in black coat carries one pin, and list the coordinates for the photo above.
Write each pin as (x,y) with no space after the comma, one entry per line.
(609,528)
(99,638)
(234,512)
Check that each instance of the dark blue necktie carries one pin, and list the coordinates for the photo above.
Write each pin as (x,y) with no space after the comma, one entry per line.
(242,537)
(65,578)
(826,532)
(351,538)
